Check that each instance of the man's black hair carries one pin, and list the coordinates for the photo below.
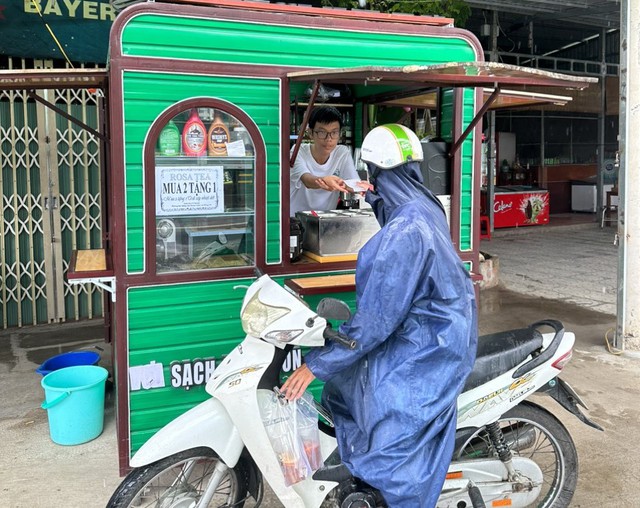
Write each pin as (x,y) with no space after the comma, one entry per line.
(324,114)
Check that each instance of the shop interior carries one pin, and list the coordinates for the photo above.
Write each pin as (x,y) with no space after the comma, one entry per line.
(197,230)
(541,154)
(565,149)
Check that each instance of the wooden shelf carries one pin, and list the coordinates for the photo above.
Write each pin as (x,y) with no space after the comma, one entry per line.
(92,266)
(318,104)
(325,284)
(89,263)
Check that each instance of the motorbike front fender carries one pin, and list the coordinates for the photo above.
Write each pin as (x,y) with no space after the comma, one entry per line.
(207,424)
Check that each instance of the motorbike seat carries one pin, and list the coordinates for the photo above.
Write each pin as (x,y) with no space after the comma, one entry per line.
(500,352)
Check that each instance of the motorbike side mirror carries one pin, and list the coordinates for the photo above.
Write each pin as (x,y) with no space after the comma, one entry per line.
(332,308)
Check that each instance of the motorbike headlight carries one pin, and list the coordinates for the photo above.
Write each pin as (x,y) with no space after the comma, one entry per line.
(258,315)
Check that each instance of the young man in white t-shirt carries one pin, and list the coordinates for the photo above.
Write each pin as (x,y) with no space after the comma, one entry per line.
(321,168)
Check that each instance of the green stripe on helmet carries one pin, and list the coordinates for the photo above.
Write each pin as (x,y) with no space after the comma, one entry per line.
(404,143)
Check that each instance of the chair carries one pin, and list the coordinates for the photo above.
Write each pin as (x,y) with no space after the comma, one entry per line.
(485,228)
(609,208)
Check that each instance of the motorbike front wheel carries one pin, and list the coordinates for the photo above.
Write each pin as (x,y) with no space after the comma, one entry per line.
(533,432)
(179,481)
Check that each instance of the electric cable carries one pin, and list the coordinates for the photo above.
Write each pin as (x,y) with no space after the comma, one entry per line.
(55,39)
(610,348)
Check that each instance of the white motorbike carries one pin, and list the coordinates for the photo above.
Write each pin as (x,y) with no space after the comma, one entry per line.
(508,452)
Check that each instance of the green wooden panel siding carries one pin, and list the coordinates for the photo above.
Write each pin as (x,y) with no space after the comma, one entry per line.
(174,323)
(200,320)
(184,322)
(173,37)
(199,39)
(147,95)
(466,173)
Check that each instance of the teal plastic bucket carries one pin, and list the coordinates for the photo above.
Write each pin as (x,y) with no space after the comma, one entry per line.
(74,400)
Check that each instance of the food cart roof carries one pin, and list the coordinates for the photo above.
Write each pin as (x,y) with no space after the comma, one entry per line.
(469,74)
(508,99)
(416,79)
(38,79)
(31,80)
(308,10)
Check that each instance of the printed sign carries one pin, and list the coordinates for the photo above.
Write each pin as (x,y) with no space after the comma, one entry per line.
(520,209)
(189,190)
(292,361)
(81,27)
(189,373)
(146,376)
(192,372)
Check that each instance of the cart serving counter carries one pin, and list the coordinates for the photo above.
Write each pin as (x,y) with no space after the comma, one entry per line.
(205,99)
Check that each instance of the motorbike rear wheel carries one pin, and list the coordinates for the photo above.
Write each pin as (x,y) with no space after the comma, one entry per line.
(533,432)
(179,481)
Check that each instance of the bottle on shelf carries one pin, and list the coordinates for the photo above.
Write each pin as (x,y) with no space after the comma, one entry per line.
(347,129)
(218,137)
(169,140)
(293,129)
(194,139)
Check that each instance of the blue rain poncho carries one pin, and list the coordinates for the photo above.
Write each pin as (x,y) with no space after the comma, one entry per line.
(393,398)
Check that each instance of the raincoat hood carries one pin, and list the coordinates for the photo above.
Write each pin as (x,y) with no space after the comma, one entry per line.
(396,187)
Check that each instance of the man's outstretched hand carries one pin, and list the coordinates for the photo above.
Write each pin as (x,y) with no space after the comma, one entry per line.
(331,183)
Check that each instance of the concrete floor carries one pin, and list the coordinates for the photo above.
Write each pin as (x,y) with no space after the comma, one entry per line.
(575,263)
(36,472)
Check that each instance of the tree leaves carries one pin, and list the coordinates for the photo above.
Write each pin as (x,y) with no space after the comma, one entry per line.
(456,9)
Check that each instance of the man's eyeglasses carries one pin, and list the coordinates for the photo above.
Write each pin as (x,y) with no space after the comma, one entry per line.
(325,134)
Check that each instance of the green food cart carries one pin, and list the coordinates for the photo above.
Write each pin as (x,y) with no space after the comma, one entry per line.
(208,101)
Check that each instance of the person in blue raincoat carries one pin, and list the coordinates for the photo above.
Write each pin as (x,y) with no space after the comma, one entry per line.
(393,397)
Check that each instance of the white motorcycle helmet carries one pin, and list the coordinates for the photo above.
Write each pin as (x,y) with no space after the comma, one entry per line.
(391,145)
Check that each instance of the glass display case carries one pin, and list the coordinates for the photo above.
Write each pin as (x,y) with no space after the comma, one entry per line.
(204,192)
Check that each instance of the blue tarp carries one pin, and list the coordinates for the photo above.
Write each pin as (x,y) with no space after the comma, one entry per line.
(394,397)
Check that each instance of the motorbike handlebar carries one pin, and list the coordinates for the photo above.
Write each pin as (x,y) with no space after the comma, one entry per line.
(331,334)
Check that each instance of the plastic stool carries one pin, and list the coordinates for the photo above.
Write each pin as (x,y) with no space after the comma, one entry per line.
(485,229)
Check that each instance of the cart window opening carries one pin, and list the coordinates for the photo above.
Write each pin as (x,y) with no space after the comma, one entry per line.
(204,192)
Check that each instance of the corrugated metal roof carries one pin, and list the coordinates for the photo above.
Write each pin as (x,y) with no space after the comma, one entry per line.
(508,99)
(467,74)
(36,79)
(599,13)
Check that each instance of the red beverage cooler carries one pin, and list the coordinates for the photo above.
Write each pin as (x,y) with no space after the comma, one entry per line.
(517,205)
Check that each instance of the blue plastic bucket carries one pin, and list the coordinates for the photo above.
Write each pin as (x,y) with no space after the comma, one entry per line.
(68,360)
(74,400)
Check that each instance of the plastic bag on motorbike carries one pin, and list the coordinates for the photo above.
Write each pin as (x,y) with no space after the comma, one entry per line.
(290,427)
(308,431)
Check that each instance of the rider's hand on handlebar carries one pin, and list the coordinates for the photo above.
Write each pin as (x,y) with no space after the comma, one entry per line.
(294,387)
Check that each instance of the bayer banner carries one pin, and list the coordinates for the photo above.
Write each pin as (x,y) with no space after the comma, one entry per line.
(80,27)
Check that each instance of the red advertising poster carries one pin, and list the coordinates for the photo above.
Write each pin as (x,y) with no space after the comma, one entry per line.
(511,209)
